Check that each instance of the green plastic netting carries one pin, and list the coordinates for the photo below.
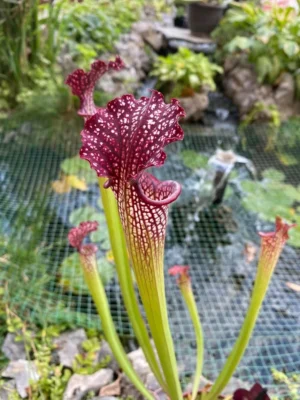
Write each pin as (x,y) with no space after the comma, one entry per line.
(210,238)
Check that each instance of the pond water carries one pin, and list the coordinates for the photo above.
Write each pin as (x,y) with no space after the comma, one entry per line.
(211,239)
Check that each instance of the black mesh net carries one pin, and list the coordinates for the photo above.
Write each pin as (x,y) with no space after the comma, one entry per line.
(212,236)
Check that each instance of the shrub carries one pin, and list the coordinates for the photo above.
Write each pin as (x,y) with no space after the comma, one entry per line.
(185,72)
(270,40)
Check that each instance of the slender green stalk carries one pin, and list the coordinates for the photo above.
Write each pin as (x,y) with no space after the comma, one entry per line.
(97,291)
(34,30)
(119,249)
(272,244)
(152,290)
(259,292)
(188,296)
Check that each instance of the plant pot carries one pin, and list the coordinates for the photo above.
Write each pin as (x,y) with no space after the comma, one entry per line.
(204,18)
(180,21)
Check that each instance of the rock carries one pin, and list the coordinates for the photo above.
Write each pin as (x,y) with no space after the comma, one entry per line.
(105,352)
(245,77)
(105,398)
(7,388)
(68,345)
(23,372)
(194,106)
(128,389)
(245,102)
(241,85)
(151,382)
(230,63)
(142,368)
(139,363)
(79,385)
(149,33)
(175,38)
(285,95)
(131,48)
(13,350)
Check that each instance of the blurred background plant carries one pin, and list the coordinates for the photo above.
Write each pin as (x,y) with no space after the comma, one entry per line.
(184,73)
(270,39)
(39,41)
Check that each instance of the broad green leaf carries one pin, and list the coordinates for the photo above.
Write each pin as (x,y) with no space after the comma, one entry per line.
(194,80)
(238,43)
(264,67)
(294,235)
(273,174)
(293,193)
(79,167)
(193,160)
(101,236)
(71,276)
(87,213)
(250,186)
(91,214)
(272,197)
(291,48)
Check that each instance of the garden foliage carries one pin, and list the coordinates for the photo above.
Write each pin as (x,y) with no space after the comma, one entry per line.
(185,72)
(269,39)
(36,37)
(271,197)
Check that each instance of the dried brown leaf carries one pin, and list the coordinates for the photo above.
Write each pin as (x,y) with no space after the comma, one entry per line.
(113,389)
(250,251)
(293,286)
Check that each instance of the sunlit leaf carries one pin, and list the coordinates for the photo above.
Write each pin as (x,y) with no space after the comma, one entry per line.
(287,159)
(68,182)
(238,43)
(77,166)
(61,186)
(290,48)
(76,183)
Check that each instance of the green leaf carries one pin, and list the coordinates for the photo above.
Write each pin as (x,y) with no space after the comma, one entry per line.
(238,43)
(250,186)
(79,167)
(184,69)
(264,67)
(101,236)
(294,235)
(273,175)
(291,48)
(193,160)
(272,197)
(91,214)
(87,213)
(194,81)
(71,275)
(228,192)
